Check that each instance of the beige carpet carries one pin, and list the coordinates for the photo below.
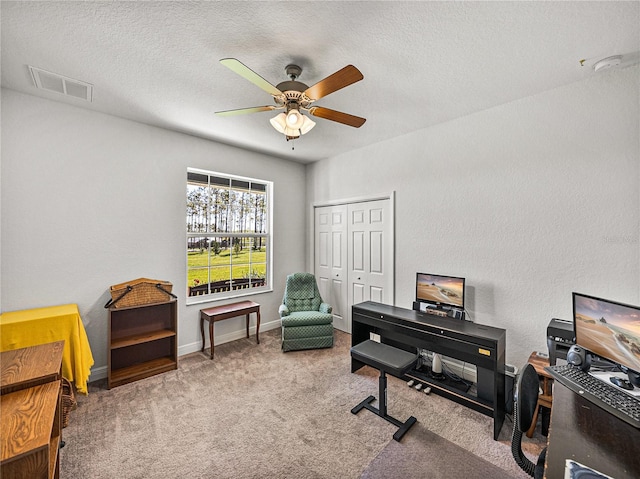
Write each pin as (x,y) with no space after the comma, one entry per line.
(257,412)
(423,454)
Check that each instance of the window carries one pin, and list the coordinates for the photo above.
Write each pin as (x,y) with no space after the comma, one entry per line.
(228,235)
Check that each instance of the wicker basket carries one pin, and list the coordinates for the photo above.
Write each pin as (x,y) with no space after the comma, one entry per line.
(138,292)
(69,402)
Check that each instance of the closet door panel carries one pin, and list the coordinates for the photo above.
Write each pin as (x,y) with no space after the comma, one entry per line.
(331,260)
(354,256)
(371,250)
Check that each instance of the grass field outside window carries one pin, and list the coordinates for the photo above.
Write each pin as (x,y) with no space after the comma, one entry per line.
(228,235)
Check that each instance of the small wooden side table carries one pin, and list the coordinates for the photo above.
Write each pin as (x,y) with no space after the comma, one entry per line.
(226,311)
(545,399)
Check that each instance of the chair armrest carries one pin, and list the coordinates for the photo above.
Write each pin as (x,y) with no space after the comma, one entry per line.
(283,311)
(325,308)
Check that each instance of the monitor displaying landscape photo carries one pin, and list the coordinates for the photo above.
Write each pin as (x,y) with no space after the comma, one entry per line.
(608,329)
(440,290)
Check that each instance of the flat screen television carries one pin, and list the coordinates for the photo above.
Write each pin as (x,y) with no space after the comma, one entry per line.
(442,291)
(608,329)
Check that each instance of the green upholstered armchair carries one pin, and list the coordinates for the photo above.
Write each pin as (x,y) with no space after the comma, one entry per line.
(307,322)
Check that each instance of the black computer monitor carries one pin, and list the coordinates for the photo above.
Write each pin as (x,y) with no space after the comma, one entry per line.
(608,329)
(441,291)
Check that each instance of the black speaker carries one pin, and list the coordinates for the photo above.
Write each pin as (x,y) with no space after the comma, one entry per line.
(579,357)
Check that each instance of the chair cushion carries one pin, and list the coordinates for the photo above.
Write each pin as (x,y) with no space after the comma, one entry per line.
(312,331)
(301,293)
(384,357)
(306,318)
(301,286)
(306,304)
(307,343)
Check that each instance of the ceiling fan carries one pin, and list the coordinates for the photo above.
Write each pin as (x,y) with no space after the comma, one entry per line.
(294,96)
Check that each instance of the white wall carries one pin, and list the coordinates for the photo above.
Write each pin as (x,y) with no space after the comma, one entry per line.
(529,201)
(90,200)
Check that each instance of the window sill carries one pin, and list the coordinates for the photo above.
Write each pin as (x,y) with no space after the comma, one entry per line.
(192,300)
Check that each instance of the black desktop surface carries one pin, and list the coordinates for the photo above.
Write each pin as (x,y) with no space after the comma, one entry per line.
(448,327)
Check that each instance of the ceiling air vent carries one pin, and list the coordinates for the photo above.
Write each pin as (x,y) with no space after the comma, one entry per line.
(61,84)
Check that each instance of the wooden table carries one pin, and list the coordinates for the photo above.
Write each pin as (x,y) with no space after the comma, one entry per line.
(30,411)
(31,327)
(226,311)
(27,367)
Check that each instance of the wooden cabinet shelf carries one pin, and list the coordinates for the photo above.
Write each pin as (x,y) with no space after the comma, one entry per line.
(142,338)
(141,370)
(142,342)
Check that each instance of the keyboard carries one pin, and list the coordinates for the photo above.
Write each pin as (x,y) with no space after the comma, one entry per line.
(608,397)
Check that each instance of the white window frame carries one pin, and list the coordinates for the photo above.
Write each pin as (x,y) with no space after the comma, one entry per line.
(268,287)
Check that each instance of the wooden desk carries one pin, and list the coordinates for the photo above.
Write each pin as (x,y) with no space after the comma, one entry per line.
(218,313)
(587,434)
(20,329)
(28,367)
(30,412)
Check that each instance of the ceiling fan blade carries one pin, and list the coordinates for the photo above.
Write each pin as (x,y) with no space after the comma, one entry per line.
(247,73)
(242,111)
(338,116)
(340,79)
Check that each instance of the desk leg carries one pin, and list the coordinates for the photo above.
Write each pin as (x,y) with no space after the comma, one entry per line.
(258,326)
(248,315)
(202,331)
(211,321)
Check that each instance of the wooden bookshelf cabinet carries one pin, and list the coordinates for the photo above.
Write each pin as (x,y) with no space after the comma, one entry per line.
(143,342)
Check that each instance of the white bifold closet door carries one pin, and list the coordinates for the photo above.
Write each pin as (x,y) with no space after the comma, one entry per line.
(354,256)
(331,260)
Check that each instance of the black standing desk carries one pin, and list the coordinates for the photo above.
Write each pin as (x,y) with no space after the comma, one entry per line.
(481,345)
(581,431)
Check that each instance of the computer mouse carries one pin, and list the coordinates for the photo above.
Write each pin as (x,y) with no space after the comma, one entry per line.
(622,383)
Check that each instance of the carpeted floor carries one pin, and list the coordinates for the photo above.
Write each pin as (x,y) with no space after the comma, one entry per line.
(423,454)
(257,412)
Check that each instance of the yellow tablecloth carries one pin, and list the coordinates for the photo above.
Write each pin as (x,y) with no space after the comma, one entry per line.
(20,329)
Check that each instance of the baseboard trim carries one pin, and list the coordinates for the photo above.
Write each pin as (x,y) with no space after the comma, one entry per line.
(226,338)
(100,372)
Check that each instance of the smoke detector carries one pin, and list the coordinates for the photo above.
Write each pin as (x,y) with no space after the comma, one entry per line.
(60,84)
(607,63)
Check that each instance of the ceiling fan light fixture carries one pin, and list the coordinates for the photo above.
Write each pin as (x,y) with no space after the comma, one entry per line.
(294,96)
(292,134)
(279,122)
(294,118)
(307,125)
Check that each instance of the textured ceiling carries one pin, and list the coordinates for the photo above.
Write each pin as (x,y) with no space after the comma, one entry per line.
(424,63)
